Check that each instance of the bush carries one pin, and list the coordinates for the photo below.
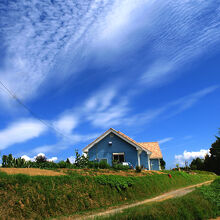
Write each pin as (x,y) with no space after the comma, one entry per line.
(120,167)
(138,168)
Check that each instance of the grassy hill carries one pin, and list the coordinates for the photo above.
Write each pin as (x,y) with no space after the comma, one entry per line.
(40,197)
(203,203)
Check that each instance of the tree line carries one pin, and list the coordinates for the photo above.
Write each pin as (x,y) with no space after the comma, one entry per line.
(211,162)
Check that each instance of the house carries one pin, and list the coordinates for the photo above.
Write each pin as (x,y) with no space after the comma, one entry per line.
(115,146)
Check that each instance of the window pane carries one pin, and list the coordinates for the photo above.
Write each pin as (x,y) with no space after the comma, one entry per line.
(121,158)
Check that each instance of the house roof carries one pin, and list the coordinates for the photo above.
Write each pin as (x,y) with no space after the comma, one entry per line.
(151,148)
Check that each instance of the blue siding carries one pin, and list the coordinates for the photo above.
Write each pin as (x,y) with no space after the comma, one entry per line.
(154,164)
(144,159)
(102,150)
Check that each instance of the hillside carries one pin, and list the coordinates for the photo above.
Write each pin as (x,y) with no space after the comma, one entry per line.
(40,197)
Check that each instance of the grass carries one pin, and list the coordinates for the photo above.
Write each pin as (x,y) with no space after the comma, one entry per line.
(40,197)
(203,203)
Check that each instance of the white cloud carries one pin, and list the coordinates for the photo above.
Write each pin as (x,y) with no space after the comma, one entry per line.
(66,123)
(27,158)
(52,159)
(165,140)
(72,159)
(186,156)
(21,131)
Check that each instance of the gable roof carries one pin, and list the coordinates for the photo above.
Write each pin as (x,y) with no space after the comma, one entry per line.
(151,148)
(119,134)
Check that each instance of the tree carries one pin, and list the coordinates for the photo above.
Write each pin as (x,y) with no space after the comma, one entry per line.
(197,164)
(212,162)
(4,160)
(162,164)
(81,161)
(41,159)
(10,160)
(68,160)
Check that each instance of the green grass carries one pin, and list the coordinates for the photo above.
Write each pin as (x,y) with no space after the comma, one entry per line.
(40,197)
(203,203)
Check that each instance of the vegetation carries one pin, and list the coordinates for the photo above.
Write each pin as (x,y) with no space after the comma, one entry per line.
(203,203)
(162,164)
(211,162)
(48,196)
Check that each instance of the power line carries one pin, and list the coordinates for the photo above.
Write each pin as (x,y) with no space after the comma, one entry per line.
(30,111)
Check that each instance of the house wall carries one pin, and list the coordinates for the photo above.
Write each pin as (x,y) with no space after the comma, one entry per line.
(144,159)
(154,164)
(102,150)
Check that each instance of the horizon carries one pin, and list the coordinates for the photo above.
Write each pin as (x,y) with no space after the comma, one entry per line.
(71,70)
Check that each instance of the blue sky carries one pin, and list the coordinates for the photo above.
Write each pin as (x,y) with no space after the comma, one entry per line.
(147,68)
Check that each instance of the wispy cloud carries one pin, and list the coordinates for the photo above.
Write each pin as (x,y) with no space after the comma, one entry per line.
(66,123)
(20,132)
(175,107)
(44,39)
(165,140)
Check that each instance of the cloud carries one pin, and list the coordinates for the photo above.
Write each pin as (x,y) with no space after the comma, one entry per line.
(66,123)
(27,158)
(186,156)
(52,159)
(165,140)
(65,143)
(72,159)
(41,40)
(21,131)
(174,107)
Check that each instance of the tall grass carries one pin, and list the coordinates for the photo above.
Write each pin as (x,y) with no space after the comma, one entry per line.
(204,203)
(40,197)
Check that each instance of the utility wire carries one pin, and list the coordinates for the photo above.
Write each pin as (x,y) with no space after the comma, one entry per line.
(30,111)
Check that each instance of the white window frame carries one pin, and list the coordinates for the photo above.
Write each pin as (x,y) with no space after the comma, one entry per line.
(118,155)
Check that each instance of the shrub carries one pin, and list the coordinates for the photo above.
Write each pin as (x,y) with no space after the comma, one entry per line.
(138,168)
(120,167)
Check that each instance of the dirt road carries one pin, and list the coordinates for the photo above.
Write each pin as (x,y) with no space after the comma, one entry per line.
(168,195)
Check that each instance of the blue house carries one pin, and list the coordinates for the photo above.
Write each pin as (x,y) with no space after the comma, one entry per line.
(115,146)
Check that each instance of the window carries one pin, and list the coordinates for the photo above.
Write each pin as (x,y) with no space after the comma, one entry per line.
(120,157)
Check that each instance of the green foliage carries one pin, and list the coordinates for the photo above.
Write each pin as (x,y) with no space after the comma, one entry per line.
(138,169)
(197,164)
(212,162)
(212,193)
(119,182)
(81,161)
(41,162)
(120,167)
(162,164)
(41,159)
(98,165)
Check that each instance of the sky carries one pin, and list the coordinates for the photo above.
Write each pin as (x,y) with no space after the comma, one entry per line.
(147,68)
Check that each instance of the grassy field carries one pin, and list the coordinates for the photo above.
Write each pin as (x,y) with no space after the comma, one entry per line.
(203,203)
(31,171)
(40,197)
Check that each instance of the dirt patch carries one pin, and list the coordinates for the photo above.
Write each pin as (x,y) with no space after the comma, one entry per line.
(31,171)
(97,172)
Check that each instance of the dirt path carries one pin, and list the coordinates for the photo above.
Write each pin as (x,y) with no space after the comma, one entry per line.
(172,194)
